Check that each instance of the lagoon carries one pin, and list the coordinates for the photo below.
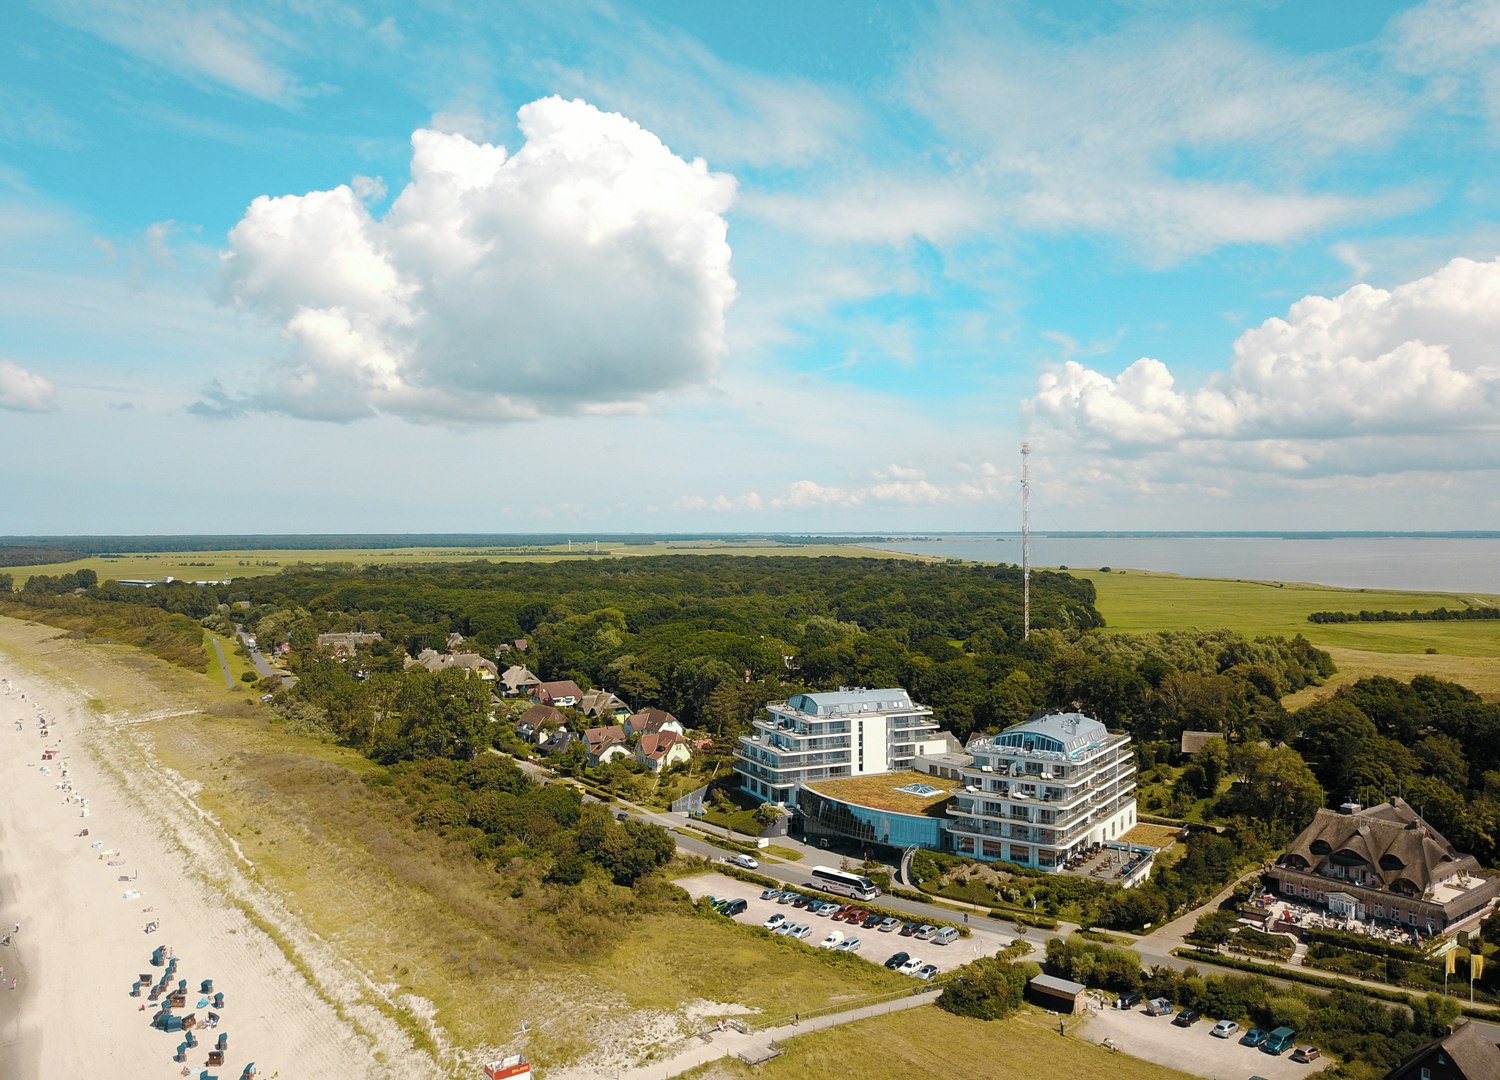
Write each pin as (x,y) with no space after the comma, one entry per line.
(1468,563)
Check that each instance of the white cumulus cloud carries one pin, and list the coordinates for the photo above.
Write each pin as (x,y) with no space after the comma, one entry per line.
(24,391)
(583,273)
(1329,387)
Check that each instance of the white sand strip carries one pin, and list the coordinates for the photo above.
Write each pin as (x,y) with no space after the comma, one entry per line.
(83,942)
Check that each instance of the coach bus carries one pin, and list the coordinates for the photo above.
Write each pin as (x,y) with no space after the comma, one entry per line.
(844,883)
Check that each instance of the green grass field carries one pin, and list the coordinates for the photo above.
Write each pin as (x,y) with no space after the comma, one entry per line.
(930,1042)
(217,565)
(1465,652)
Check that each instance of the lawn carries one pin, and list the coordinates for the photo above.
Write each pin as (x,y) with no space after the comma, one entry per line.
(217,565)
(929,1042)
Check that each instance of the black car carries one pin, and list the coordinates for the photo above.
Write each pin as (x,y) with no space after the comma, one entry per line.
(1187,1018)
(909,928)
(897,960)
(871,922)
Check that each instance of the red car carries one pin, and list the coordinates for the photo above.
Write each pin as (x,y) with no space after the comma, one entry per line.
(843,910)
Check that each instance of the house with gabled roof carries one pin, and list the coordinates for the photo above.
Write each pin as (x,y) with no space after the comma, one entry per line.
(563,693)
(1383,863)
(658,751)
(517,680)
(603,705)
(537,718)
(653,722)
(605,744)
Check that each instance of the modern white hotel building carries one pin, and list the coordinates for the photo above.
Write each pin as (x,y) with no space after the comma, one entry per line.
(826,736)
(1042,791)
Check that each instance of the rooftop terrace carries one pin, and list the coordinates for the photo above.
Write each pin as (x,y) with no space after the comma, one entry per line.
(881,791)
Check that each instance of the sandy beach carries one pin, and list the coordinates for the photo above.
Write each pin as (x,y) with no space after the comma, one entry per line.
(83,904)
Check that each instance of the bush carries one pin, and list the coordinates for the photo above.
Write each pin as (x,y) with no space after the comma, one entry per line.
(248,676)
(987,989)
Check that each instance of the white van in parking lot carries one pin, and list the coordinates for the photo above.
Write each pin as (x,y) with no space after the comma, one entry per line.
(946,936)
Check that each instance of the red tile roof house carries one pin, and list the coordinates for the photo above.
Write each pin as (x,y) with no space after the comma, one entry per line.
(562,694)
(605,744)
(656,752)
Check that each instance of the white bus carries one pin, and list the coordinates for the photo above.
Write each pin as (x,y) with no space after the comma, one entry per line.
(844,883)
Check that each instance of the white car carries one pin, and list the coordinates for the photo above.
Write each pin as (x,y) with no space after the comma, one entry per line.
(834,939)
(1224,1029)
(775,921)
(744,861)
(848,945)
(912,966)
(800,931)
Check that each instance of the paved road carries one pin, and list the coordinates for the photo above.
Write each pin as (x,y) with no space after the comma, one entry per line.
(256,658)
(223,663)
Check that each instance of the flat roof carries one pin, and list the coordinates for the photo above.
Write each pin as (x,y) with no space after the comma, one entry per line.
(858,700)
(879,791)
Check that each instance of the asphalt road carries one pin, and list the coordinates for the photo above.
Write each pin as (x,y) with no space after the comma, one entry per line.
(256,658)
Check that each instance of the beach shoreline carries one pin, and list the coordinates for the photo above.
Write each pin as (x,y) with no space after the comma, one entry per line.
(84,902)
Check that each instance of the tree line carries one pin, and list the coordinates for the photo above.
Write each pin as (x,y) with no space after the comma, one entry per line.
(1441,614)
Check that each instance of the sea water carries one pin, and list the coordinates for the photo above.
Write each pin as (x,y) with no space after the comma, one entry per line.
(1468,563)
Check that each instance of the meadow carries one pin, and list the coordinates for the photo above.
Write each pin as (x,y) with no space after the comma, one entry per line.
(1138,601)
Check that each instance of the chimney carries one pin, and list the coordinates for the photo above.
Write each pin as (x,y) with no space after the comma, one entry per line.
(1350,808)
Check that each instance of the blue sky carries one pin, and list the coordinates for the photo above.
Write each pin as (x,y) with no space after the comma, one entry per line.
(713,267)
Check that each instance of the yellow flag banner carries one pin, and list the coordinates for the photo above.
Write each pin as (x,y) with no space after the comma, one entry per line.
(1450,962)
(1476,966)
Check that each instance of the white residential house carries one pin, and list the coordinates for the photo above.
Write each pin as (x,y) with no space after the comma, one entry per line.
(658,751)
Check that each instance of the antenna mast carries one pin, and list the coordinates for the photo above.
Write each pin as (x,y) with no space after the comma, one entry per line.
(1025,541)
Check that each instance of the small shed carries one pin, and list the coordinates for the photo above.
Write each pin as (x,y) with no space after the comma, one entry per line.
(1192,741)
(1059,995)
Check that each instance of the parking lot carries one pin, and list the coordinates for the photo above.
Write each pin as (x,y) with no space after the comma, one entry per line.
(1192,1049)
(875,946)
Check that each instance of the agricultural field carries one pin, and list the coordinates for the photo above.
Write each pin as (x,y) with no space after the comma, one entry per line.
(930,1042)
(217,565)
(1463,652)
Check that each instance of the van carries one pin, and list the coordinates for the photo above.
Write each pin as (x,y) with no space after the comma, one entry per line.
(1279,1041)
(946,936)
(734,907)
(1127,1001)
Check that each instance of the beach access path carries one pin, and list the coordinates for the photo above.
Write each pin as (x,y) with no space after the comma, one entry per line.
(83,903)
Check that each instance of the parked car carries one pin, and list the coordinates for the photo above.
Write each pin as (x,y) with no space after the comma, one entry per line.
(825,908)
(909,928)
(946,936)
(926,972)
(843,909)
(870,922)
(849,945)
(787,897)
(734,907)
(800,931)
(1224,1029)
(771,894)
(775,921)
(925,931)
(897,959)
(798,900)
(1127,1001)
(1279,1041)
(1159,1007)
(911,966)
(888,924)
(1306,1054)
(785,927)
(1253,1037)
(834,939)
(744,861)
(1187,1018)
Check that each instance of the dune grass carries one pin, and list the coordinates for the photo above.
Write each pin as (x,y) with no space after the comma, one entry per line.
(929,1042)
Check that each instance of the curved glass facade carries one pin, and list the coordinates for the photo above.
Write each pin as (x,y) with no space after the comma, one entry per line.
(824,814)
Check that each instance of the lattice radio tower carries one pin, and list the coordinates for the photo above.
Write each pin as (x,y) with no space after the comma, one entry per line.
(1025,541)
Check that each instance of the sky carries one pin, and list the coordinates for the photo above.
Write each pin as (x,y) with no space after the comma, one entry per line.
(675,266)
